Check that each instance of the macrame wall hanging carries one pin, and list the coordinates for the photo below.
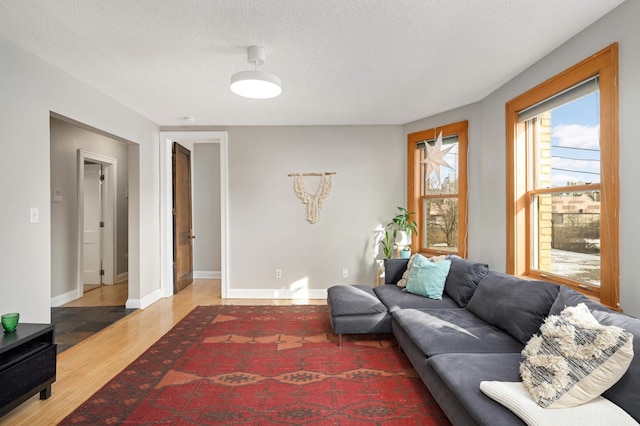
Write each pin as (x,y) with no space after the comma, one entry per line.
(313,203)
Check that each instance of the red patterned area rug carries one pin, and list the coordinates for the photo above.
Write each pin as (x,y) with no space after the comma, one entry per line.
(263,365)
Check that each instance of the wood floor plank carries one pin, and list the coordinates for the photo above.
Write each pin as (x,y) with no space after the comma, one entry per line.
(105,295)
(86,367)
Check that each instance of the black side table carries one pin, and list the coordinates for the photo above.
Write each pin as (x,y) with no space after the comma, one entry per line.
(27,364)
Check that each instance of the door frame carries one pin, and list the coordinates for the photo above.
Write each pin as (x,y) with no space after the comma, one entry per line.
(109,240)
(166,217)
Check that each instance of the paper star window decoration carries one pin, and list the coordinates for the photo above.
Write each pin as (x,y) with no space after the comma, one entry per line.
(435,158)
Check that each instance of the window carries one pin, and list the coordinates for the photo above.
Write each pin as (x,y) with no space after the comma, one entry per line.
(437,160)
(562,179)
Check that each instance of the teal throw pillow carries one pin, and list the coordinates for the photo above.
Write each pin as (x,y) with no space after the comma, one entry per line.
(427,278)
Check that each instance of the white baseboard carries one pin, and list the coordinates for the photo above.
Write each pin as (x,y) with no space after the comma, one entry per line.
(145,302)
(63,298)
(122,277)
(276,294)
(211,275)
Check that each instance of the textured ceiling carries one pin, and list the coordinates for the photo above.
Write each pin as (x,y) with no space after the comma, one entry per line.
(340,61)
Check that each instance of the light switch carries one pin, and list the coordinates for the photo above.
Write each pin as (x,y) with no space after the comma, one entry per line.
(34,216)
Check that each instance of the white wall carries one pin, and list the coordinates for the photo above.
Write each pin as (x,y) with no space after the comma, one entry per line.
(206,210)
(488,164)
(268,223)
(30,90)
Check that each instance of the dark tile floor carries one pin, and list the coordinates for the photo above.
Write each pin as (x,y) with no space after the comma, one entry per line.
(76,324)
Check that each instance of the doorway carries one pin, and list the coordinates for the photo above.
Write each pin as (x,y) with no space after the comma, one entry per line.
(89,185)
(97,207)
(73,144)
(166,214)
(92,271)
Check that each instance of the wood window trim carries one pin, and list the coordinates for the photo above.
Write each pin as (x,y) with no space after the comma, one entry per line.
(413,183)
(605,64)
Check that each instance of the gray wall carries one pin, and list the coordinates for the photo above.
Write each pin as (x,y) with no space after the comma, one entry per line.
(31,90)
(488,163)
(268,225)
(206,208)
(66,139)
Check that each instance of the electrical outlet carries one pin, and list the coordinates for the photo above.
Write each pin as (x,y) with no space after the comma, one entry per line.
(278,273)
(345,273)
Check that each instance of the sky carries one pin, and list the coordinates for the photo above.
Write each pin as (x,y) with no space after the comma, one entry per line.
(575,141)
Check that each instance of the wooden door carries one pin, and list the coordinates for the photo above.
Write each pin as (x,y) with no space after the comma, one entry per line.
(182,229)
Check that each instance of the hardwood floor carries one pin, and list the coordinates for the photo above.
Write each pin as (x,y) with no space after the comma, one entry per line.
(89,365)
(104,295)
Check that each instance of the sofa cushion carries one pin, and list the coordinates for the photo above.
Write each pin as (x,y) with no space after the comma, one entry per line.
(626,392)
(462,374)
(574,359)
(394,269)
(394,298)
(514,396)
(437,331)
(569,297)
(427,278)
(361,324)
(353,300)
(462,281)
(512,304)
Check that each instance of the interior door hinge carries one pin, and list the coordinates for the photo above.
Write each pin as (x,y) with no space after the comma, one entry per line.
(101,178)
(101,272)
(101,224)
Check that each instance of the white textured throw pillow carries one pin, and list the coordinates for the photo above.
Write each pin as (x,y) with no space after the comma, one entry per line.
(575,359)
(514,396)
(405,276)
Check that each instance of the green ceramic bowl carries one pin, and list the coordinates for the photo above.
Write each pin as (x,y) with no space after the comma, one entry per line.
(10,322)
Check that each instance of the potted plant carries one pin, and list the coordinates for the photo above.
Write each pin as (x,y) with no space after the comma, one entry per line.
(387,244)
(404,227)
(398,233)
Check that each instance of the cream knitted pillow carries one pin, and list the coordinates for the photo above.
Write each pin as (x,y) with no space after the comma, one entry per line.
(575,359)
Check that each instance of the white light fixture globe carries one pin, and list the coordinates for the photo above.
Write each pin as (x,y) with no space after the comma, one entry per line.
(256,84)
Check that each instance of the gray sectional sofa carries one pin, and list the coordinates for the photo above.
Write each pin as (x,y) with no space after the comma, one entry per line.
(474,334)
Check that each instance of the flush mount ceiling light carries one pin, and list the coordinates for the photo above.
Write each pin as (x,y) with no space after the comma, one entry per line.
(256,84)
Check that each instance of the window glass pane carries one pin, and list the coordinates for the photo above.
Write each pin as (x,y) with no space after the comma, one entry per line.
(439,166)
(440,224)
(566,146)
(566,235)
